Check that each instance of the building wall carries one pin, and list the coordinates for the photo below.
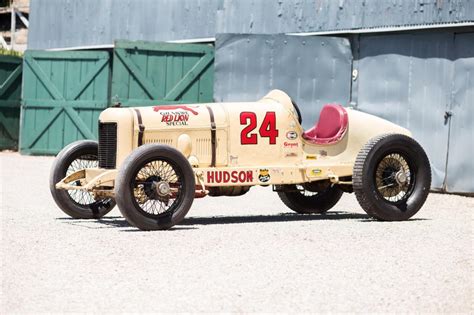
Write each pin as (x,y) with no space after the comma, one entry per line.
(414,80)
(66,24)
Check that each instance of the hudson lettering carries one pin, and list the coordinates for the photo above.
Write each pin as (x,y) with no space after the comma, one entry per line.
(222,177)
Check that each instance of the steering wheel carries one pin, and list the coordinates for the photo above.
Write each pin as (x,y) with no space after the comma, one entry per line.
(298,112)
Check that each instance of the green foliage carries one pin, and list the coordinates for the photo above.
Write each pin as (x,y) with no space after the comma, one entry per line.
(6,52)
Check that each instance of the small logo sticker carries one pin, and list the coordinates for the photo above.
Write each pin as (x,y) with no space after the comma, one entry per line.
(316,172)
(263,175)
(311,157)
(290,144)
(291,135)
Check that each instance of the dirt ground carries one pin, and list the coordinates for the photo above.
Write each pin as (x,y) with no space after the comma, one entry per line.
(240,254)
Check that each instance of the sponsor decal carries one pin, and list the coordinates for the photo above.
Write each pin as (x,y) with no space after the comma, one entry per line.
(175,115)
(174,107)
(316,172)
(217,177)
(311,157)
(234,159)
(290,144)
(291,135)
(291,154)
(264,175)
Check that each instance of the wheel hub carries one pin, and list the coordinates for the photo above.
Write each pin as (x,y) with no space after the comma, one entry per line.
(401,178)
(163,189)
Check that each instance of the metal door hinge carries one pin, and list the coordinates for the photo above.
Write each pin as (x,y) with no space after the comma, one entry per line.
(447,116)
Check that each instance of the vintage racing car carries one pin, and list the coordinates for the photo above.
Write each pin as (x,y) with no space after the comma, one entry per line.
(153,161)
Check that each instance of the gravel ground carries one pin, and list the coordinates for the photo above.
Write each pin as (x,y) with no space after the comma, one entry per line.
(242,254)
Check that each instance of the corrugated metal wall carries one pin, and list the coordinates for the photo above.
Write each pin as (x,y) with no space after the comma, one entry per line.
(461,145)
(289,16)
(67,23)
(417,80)
(313,70)
(62,24)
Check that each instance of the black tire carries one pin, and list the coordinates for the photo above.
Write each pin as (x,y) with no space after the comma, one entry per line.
(75,203)
(392,177)
(306,202)
(136,189)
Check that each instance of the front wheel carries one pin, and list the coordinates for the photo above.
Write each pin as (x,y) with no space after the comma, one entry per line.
(303,201)
(155,187)
(78,204)
(392,177)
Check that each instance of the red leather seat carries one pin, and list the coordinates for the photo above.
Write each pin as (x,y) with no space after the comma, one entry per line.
(331,126)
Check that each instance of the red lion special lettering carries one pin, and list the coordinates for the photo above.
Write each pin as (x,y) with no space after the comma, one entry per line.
(175,115)
(229,177)
(175,118)
(174,107)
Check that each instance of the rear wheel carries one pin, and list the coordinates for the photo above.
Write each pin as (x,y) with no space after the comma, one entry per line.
(79,204)
(392,177)
(303,201)
(155,187)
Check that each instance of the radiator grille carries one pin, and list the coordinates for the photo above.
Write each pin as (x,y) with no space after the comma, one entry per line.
(107,145)
(160,141)
(203,147)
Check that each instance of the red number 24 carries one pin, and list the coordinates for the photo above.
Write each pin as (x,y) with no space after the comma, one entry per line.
(267,129)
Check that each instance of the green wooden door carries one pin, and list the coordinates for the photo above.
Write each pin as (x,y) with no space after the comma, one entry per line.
(63,95)
(147,73)
(10,95)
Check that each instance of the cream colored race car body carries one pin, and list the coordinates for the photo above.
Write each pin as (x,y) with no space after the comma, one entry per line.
(232,146)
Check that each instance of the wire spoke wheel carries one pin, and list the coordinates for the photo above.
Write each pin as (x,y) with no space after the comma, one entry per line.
(78,203)
(393,178)
(82,197)
(157,187)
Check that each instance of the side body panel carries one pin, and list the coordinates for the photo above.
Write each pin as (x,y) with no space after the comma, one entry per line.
(258,143)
